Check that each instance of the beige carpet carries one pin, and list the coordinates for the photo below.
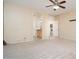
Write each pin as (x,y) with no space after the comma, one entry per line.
(42,49)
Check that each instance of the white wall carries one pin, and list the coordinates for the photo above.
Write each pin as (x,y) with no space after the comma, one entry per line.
(67,29)
(18,24)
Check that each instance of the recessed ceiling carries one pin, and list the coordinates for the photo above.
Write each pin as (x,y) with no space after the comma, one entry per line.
(40,5)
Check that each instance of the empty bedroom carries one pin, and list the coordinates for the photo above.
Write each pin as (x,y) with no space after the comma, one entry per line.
(39,29)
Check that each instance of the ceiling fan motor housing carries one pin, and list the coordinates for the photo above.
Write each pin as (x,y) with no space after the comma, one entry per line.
(57,4)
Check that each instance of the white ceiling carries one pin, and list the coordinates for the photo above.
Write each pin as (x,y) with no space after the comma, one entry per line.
(40,5)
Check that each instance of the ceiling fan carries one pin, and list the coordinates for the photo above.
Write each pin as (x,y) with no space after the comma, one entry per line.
(57,4)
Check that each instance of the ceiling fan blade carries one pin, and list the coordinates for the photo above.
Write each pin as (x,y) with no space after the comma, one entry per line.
(49,6)
(52,1)
(62,2)
(62,6)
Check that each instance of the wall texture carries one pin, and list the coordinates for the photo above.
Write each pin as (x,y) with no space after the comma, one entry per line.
(67,29)
(18,24)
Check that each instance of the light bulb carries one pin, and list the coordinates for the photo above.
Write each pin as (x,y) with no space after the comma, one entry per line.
(55,7)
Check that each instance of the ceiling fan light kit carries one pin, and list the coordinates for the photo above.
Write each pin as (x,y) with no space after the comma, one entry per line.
(56,5)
